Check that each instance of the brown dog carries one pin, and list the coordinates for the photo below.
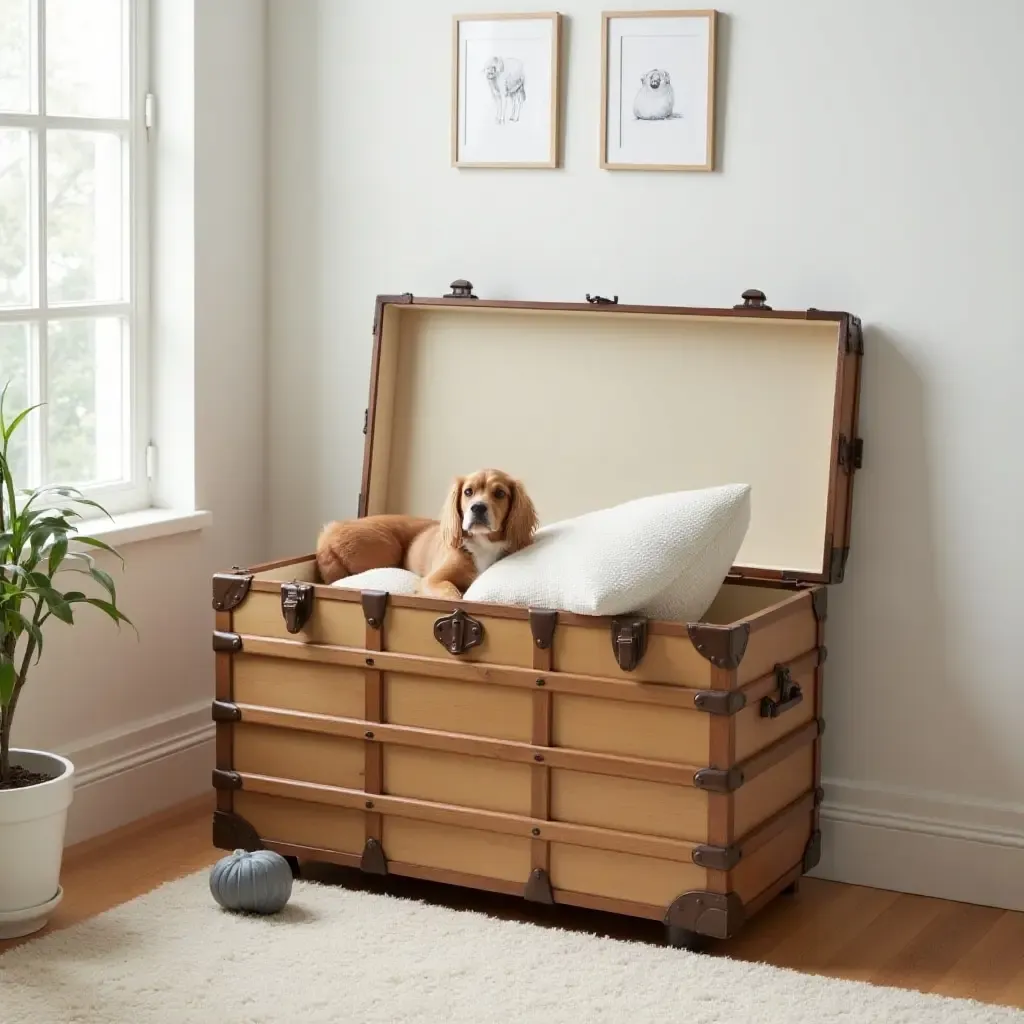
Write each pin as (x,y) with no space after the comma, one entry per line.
(486,516)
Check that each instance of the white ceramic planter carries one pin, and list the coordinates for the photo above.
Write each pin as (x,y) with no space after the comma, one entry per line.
(32,824)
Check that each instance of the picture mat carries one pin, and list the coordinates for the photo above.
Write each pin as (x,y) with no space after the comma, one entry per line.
(480,138)
(679,45)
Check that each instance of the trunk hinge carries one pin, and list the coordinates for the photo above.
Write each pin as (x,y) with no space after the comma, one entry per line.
(851,453)
(855,336)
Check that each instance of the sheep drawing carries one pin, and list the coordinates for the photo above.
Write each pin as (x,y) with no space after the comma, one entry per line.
(508,87)
(655,101)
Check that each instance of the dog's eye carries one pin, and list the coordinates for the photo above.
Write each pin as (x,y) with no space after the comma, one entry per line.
(499,493)
(468,492)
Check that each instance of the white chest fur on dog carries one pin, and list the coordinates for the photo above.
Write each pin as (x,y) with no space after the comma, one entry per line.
(484,552)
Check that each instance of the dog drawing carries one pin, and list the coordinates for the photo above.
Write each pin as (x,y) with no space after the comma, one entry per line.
(508,87)
(656,98)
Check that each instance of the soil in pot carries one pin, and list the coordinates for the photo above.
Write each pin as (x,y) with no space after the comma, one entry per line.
(22,777)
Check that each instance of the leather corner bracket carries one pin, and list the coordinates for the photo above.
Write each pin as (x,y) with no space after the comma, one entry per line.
(230,589)
(717,915)
(812,854)
(375,603)
(819,602)
(542,627)
(225,711)
(226,780)
(373,861)
(723,646)
(226,643)
(718,780)
(538,888)
(232,832)
(720,702)
(717,858)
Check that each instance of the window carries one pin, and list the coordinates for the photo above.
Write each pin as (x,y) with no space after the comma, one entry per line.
(73,239)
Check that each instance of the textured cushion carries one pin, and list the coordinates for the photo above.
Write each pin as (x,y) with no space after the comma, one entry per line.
(665,556)
(394,581)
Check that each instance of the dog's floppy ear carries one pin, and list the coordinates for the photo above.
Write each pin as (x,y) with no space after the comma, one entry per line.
(451,515)
(521,521)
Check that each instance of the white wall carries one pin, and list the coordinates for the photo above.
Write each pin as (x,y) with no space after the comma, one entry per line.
(135,714)
(870,160)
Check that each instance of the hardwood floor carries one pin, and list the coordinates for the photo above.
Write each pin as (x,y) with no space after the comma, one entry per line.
(827,928)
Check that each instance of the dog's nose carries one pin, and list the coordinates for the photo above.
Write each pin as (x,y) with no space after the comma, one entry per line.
(479,509)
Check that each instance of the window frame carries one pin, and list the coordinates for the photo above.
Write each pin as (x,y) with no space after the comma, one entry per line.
(135,493)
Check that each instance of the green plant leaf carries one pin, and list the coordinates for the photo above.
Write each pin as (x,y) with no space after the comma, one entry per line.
(57,553)
(59,607)
(9,431)
(79,556)
(8,677)
(26,625)
(105,580)
(110,610)
(94,543)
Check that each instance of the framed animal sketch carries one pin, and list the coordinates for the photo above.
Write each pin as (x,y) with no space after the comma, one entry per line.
(505,90)
(658,90)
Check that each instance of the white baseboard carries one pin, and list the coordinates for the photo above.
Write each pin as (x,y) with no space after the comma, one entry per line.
(923,843)
(128,774)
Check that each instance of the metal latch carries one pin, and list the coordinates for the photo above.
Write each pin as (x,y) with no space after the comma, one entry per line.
(790,694)
(458,632)
(629,641)
(296,604)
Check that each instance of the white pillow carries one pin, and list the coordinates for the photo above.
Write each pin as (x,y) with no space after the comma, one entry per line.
(390,579)
(664,556)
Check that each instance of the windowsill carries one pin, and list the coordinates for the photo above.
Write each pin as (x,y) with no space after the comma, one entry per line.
(147,524)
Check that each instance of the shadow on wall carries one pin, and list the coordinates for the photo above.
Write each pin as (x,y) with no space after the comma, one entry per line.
(896,679)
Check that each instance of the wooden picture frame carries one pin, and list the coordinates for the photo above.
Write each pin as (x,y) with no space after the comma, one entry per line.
(505,90)
(664,119)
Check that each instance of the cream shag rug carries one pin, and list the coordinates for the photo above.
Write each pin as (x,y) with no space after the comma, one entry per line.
(174,957)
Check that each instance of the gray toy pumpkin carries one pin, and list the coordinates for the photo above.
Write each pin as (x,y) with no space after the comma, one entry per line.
(256,882)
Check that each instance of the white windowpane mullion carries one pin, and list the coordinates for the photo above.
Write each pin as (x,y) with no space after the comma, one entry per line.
(39,375)
(36,422)
(71,311)
(38,82)
(113,126)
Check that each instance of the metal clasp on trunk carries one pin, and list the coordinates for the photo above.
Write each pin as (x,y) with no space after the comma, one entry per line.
(458,632)
(629,641)
(790,694)
(296,604)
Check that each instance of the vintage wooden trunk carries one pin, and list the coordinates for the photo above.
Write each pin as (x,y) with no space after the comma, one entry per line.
(663,769)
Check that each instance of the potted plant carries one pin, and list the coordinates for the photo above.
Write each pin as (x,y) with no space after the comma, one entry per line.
(37,531)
